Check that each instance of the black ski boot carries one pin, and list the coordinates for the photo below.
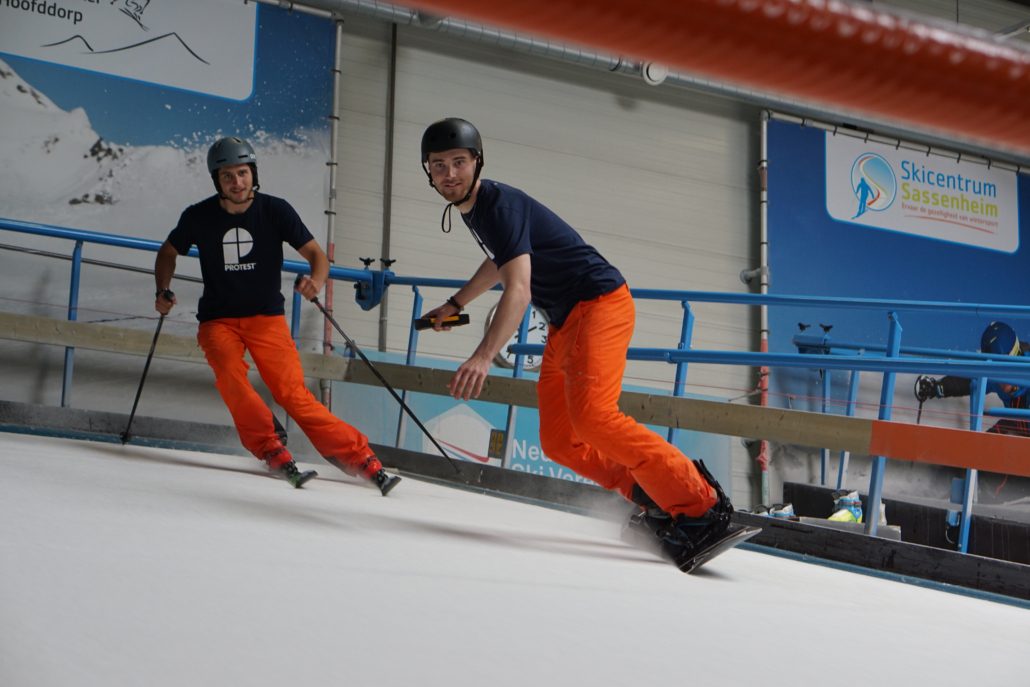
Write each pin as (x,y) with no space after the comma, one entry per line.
(294,476)
(384,481)
(686,537)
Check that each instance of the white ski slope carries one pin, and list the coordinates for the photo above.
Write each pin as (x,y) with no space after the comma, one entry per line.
(137,566)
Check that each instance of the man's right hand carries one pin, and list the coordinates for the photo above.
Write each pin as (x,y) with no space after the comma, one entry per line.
(165,301)
(927,388)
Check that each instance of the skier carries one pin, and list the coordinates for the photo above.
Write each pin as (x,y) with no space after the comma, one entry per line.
(537,257)
(239,234)
(997,339)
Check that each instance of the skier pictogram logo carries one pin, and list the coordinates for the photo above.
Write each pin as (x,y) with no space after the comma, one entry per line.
(873,182)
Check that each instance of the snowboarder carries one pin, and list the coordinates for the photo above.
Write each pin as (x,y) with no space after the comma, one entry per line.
(539,258)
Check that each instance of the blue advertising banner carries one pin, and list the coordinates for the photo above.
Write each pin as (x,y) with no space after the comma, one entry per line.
(849,217)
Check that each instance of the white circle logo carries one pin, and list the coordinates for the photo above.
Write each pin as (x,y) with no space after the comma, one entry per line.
(236,245)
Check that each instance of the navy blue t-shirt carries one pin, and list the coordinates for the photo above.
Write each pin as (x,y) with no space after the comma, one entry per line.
(565,269)
(241,256)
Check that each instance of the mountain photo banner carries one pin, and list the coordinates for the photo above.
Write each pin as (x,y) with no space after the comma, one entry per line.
(197,45)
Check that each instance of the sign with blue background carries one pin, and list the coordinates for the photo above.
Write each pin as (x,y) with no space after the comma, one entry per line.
(854,218)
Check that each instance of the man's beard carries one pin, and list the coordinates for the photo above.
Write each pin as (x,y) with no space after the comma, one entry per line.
(456,193)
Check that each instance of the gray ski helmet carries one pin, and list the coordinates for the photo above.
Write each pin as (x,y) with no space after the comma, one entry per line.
(229,151)
(450,133)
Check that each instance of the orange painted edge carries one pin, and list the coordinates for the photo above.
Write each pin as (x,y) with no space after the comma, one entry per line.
(1004,454)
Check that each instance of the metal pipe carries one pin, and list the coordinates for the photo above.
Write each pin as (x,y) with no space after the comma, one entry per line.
(842,465)
(811,342)
(391,99)
(764,450)
(294,7)
(325,387)
(409,359)
(73,314)
(976,409)
(1013,372)
(512,414)
(91,261)
(872,510)
(679,383)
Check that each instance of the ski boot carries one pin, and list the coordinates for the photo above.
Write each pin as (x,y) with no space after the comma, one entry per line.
(373,470)
(294,476)
(384,481)
(686,537)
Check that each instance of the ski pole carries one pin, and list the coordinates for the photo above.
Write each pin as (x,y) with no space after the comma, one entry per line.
(167,295)
(381,378)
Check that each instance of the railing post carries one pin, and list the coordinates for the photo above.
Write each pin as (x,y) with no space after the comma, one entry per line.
(409,359)
(872,511)
(842,467)
(516,373)
(73,314)
(295,318)
(680,382)
(978,392)
(824,454)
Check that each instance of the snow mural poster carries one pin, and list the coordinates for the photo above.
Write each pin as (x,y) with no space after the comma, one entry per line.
(196,45)
(89,144)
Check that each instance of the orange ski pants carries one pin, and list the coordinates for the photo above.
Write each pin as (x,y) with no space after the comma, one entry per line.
(268,339)
(581,426)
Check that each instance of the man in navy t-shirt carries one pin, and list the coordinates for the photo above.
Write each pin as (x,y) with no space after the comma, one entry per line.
(239,235)
(539,258)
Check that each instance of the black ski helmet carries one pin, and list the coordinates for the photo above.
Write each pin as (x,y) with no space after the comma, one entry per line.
(1000,339)
(450,133)
(227,151)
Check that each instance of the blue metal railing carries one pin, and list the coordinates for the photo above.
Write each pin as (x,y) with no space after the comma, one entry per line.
(891,359)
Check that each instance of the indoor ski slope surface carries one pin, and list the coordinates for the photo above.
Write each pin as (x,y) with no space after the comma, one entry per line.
(124,565)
